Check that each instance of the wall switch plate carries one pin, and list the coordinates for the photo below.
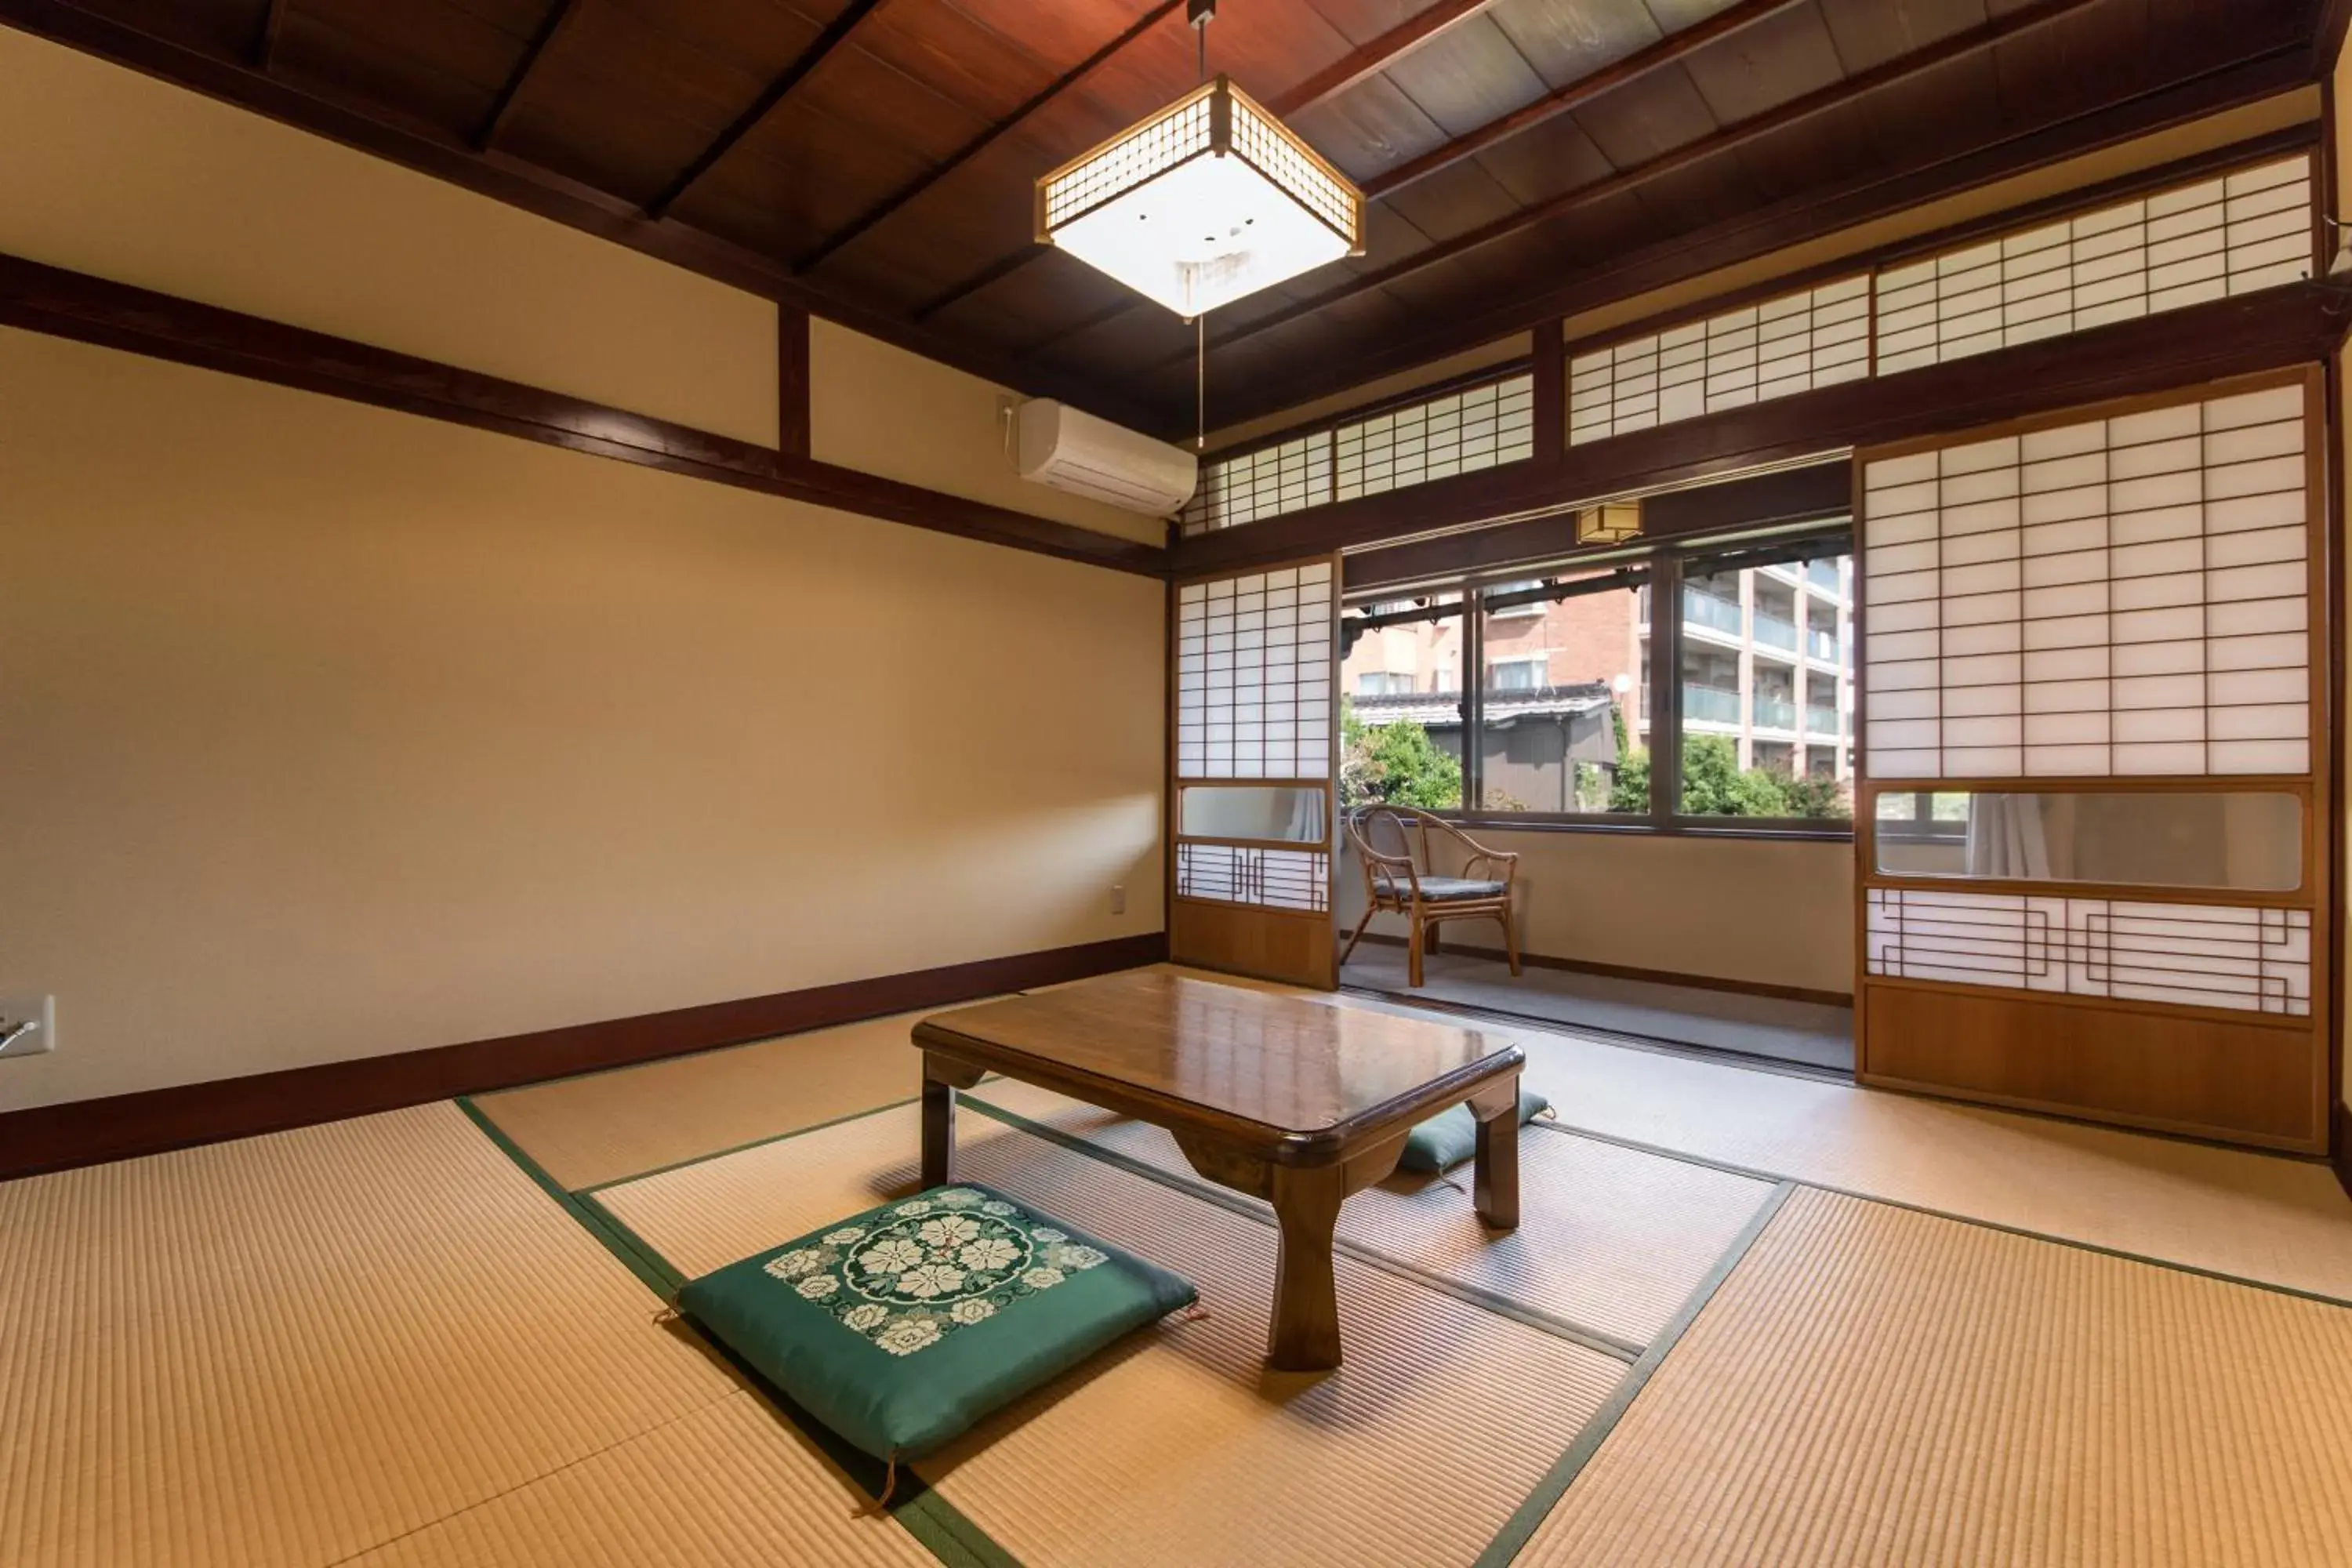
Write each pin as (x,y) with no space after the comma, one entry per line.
(18,1007)
(1118,898)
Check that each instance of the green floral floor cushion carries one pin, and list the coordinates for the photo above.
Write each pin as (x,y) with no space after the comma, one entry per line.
(900,1326)
(1444,1140)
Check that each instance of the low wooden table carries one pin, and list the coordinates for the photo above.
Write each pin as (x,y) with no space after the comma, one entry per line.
(1284,1099)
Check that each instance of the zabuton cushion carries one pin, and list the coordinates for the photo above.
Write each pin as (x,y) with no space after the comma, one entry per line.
(1444,1140)
(901,1327)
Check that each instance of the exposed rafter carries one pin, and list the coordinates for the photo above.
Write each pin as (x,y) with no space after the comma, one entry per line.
(1575,94)
(549,26)
(264,34)
(836,33)
(1361,63)
(981,143)
(1746,130)
(1370,59)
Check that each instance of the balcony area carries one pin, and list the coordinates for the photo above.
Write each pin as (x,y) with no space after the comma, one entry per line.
(1822,722)
(1774,634)
(1710,705)
(1707,611)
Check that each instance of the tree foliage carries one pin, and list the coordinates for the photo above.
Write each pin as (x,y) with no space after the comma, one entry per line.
(1396,764)
(1714,784)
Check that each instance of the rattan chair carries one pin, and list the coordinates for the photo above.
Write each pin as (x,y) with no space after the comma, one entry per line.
(1393,842)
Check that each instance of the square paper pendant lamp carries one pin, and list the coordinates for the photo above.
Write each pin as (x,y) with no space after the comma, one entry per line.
(1210,199)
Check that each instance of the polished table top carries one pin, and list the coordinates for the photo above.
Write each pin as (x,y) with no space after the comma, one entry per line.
(1174,1049)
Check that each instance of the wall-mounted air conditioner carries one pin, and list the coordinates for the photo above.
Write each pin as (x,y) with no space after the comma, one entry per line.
(1072,450)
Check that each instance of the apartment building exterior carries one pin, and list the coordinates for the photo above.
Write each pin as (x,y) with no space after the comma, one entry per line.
(1767,663)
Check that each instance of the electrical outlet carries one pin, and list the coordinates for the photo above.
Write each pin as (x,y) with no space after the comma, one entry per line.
(1118,898)
(41,1012)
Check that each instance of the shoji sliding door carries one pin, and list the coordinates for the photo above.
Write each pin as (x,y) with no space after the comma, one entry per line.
(1254,739)
(2093,827)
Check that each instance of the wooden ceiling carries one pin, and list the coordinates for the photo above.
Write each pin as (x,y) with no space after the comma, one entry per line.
(875,158)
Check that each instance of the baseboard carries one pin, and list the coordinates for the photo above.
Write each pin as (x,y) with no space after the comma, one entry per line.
(84,1132)
(2339,1148)
(1656,976)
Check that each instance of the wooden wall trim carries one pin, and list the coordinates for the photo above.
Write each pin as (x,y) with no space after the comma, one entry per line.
(534,189)
(1817,494)
(75,305)
(121,1126)
(2340,1149)
(2293,324)
(793,387)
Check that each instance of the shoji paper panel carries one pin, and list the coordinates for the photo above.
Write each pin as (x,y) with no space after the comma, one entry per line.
(1253,672)
(1267,482)
(2252,960)
(2126,596)
(1794,343)
(1458,434)
(2230,235)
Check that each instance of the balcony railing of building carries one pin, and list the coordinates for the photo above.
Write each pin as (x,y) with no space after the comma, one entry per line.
(1821,645)
(1820,721)
(1716,615)
(1771,713)
(1710,704)
(1774,632)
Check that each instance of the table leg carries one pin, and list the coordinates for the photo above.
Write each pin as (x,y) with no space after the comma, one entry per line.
(1305,1335)
(1496,1182)
(941,1079)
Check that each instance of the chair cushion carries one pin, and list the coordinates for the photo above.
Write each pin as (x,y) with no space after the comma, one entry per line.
(1447,889)
(900,1326)
(1444,1140)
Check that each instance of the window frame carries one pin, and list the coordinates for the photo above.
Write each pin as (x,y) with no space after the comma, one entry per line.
(1661,566)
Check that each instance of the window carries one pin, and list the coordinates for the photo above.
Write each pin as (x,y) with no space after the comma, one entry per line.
(1766,671)
(1743,704)
(1516,674)
(1555,721)
(1515,588)
(1400,725)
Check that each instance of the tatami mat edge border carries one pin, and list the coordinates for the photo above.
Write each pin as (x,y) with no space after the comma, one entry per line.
(639,1260)
(1523,1523)
(930,1518)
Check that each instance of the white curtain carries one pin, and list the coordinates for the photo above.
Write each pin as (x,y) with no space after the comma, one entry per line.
(2006,838)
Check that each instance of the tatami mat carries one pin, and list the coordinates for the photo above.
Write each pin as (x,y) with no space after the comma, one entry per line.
(1875,1385)
(291,1349)
(1181,1446)
(1611,1241)
(731,1486)
(604,1126)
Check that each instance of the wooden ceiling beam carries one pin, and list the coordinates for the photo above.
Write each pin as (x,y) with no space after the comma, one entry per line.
(1667,51)
(816,254)
(264,34)
(511,89)
(1797,109)
(836,33)
(1369,59)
